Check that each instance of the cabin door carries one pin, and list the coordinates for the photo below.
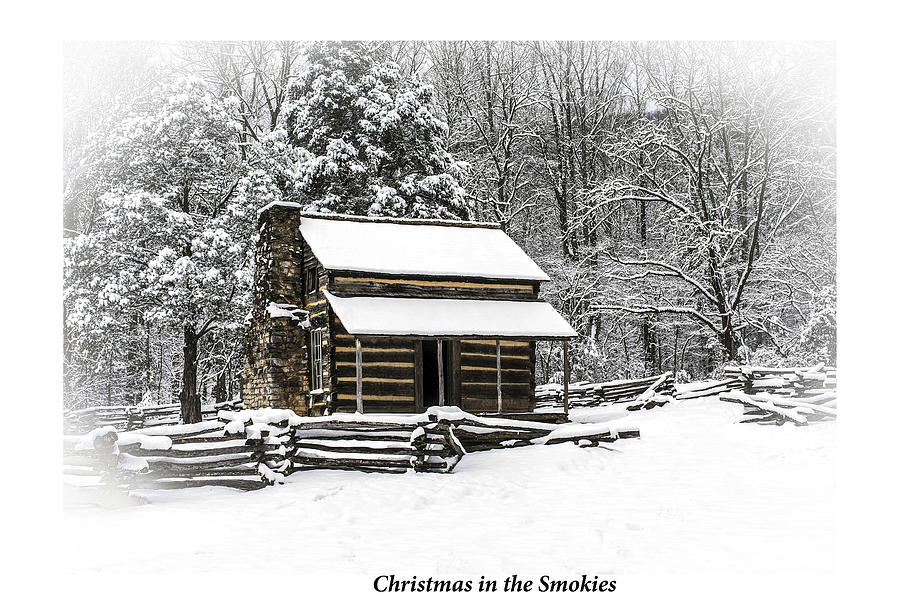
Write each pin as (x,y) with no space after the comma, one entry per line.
(438,369)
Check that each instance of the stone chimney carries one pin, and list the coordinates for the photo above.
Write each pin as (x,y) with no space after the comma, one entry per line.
(276,369)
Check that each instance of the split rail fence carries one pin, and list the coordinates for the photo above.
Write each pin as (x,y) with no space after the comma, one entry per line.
(585,394)
(129,418)
(250,449)
(776,396)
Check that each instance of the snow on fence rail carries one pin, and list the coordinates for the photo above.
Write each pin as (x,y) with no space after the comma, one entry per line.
(784,381)
(583,394)
(423,443)
(128,418)
(250,449)
(775,396)
(237,453)
(431,442)
(770,409)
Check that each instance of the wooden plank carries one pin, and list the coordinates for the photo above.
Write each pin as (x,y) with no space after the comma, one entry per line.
(376,371)
(456,373)
(411,291)
(398,364)
(432,286)
(374,347)
(402,448)
(470,366)
(387,357)
(406,398)
(488,345)
(386,343)
(475,404)
(420,398)
(376,407)
(346,387)
(509,375)
(359,393)
(492,368)
(475,357)
(440,367)
(499,381)
(380,380)
(442,283)
(488,390)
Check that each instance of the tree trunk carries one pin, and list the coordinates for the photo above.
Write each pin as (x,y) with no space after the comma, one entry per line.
(229,382)
(67,360)
(219,390)
(650,339)
(190,401)
(675,352)
(148,359)
(730,341)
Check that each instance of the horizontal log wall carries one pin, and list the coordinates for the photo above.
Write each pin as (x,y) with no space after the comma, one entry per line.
(380,285)
(388,373)
(478,375)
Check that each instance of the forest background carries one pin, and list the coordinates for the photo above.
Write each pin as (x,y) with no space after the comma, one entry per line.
(681,196)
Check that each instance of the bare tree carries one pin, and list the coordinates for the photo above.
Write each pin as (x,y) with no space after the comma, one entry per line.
(727,160)
(494,88)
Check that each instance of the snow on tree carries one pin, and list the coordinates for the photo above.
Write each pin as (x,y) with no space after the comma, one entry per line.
(818,339)
(366,140)
(726,158)
(583,150)
(172,245)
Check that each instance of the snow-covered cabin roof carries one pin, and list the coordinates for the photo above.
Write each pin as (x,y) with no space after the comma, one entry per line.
(449,317)
(416,247)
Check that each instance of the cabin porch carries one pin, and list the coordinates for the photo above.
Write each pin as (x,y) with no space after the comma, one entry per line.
(404,374)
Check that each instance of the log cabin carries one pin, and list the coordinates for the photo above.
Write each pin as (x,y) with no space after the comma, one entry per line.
(386,315)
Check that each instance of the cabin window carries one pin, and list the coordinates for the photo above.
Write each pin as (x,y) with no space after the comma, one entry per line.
(312,280)
(315,351)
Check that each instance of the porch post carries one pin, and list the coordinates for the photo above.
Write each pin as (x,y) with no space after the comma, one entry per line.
(566,376)
(499,382)
(440,362)
(359,401)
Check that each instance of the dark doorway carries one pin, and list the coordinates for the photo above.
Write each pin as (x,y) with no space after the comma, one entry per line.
(430,378)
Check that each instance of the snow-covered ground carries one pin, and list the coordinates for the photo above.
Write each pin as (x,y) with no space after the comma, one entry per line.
(698,492)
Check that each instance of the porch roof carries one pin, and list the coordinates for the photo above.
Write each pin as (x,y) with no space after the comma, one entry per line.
(449,318)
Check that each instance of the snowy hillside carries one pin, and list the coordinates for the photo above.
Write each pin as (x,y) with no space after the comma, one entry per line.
(697,492)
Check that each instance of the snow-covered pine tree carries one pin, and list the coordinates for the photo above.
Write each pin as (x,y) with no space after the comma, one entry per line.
(172,245)
(366,139)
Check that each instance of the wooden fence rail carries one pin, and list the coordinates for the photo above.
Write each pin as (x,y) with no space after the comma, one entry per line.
(250,449)
(128,418)
(585,394)
(777,396)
